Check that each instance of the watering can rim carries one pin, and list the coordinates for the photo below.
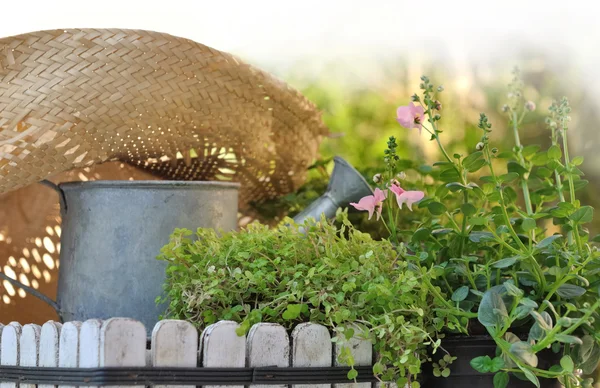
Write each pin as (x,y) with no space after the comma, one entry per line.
(158,184)
(343,161)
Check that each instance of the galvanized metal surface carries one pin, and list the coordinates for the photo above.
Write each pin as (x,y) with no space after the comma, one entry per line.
(114,230)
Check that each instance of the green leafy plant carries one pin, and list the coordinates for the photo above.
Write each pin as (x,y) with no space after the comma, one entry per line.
(503,240)
(336,276)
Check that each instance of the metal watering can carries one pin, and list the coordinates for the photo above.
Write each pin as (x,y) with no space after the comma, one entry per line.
(112,232)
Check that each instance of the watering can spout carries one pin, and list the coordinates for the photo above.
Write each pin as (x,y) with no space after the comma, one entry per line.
(345,185)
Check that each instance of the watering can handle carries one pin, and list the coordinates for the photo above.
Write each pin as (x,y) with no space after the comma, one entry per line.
(61,195)
(33,292)
(30,290)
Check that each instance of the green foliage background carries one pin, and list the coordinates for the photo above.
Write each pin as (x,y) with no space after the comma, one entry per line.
(361,116)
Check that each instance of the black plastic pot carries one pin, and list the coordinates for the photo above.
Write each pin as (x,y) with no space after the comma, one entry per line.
(463,375)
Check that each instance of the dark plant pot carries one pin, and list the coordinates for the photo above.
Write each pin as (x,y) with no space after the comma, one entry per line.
(463,375)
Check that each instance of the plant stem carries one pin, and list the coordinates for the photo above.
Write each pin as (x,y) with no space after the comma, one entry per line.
(536,265)
(524,184)
(453,222)
(550,336)
(464,225)
(571,185)
(558,183)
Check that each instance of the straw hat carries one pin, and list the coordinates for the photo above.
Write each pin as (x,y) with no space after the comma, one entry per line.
(127,104)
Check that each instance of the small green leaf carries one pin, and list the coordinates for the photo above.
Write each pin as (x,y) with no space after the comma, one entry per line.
(481,364)
(377,368)
(516,168)
(455,186)
(482,221)
(472,158)
(506,155)
(530,150)
(583,215)
(507,262)
(501,380)
(509,177)
(420,234)
(481,237)
(492,310)
(528,224)
(522,311)
(547,241)
(460,294)
(436,208)
(544,320)
(569,291)
(568,339)
(468,209)
(567,364)
(529,303)
(511,289)
(543,172)
(577,161)
(475,166)
(554,152)
(531,377)
(540,159)
(352,374)
(496,364)
(446,372)
(524,352)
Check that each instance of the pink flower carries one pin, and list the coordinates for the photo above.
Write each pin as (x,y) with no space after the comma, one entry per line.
(371,203)
(408,197)
(410,116)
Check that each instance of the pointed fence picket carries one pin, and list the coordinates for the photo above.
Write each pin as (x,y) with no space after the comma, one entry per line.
(68,347)
(362,351)
(221,347)
(174,343)
(268,345)
(10,348)
(30,348)
(121,342)
(311,347)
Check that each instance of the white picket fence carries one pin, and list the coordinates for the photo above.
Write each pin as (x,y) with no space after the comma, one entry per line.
(122,342)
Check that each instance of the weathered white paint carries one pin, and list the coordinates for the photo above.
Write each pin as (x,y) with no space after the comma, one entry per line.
(268,345)
(30,348)
(49,342)
(89,343)
(362,350)
(311,347)
(10,349)
(174,343)
(122,343)
(68,348)
(222,347)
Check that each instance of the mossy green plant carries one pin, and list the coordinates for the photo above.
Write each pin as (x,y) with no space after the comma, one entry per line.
(318,272)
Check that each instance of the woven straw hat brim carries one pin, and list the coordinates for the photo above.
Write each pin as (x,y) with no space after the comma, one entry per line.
(72,98)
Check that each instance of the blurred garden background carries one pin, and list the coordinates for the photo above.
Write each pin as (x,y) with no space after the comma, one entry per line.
(359,60)
(359,106)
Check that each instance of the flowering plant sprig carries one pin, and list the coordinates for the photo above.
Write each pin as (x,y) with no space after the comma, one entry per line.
(484,248)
